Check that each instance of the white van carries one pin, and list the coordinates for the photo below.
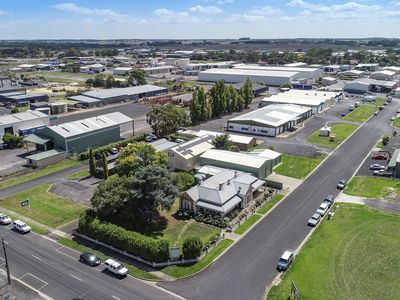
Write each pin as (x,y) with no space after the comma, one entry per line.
(21,226)
(116,268)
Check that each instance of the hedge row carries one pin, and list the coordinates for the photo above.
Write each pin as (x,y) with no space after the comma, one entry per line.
(122,143)
(150,249)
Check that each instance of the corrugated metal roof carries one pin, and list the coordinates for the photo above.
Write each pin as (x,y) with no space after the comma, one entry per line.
(237,158)
(129,91)
(45,154)
(21,117)
(194,147)
(251,72)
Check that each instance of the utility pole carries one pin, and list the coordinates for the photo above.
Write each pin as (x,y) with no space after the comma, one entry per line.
(6,260)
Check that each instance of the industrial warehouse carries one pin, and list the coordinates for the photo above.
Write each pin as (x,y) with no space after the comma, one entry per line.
(271,78)
(317,100)
(365,85)
(23,123)
(100,97)
(270,120)
(302,73)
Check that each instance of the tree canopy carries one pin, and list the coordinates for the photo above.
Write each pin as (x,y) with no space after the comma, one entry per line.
(222,142)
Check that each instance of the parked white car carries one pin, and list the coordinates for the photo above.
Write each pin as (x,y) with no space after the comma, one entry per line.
(21,226)
(4,219)
(116,268)
(323,208)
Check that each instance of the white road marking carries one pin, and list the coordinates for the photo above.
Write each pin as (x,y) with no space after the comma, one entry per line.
(112,296)
(45,283)
(74,258)
(31,235)
(34,256)
(77,278)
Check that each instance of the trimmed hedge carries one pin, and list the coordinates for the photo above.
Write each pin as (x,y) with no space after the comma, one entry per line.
(148,248)
(122,143)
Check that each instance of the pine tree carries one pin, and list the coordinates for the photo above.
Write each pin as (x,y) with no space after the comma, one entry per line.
(92,163)
(195,109)
(247,92)
(202,99)
(105,165)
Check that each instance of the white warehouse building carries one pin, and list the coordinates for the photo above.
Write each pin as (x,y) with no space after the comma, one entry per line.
(271,78)
(23,123)
(383,75)
(307,73)
(271,120)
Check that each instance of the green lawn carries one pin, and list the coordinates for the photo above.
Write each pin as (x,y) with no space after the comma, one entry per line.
(371,187)
(396,123)
(361,113)
(134,271)
(270,204)
(46,208)
(177,233)
(40,173)
(298,166)
(79,174)
(180,271)
(378,102)
(340,130)
(248,223)
(353,256)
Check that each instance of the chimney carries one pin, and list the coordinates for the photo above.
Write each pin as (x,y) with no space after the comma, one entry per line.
(228,182)
(220,186)
(235,174)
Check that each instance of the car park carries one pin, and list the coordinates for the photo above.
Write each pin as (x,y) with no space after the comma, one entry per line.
(314,220)
(376,167)
(116,268)
(89,259)
(5,220)
(329,200)
(342,184)
(21,226)
(285,260)
(323,208)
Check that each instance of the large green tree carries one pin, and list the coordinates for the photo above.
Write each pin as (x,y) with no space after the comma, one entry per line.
(247,92)
(134,156)
(137,77)
(218,102)
(167,119)
(222,142)
(195,108)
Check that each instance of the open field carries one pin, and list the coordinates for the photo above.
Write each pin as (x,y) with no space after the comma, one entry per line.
(372,187)
(45,207)
(40,173)
(298,166)
(352,256)
(340,130)
(361,113)
(180,271)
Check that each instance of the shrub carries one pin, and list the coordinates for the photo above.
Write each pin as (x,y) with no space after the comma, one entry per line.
(183,180)
(148,248)
(212,219)
(123,143)
(192,247)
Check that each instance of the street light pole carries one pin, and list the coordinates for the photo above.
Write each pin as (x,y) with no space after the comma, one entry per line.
(6,260)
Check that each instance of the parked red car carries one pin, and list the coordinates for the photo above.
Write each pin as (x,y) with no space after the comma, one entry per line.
(380,156)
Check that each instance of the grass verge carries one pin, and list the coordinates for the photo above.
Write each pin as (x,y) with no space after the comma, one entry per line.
(340,130)
(361,113)
(35,228)
(352,256)
(247,224)
(40,173)
(298,166)
(134,271)
(45,207)
(372,187)
(180,271)
(396,123)
(78,175)
(270,204)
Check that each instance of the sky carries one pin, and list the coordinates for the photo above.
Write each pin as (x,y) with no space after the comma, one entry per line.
(198,19)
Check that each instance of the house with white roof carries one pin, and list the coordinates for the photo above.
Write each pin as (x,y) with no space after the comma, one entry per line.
(222,193)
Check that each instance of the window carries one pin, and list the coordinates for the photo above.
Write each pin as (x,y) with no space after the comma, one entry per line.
(230,126)
(244,128)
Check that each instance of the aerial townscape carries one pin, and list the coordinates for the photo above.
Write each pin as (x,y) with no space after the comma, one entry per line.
(201,149)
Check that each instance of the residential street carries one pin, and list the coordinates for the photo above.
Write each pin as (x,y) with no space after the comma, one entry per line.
(250,265)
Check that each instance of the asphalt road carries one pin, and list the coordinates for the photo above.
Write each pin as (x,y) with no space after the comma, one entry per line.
(247,268)
(55,271)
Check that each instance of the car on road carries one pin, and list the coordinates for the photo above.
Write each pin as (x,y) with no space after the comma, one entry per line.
(376,113)
(323,208)
(329,200)
(116,268)
(314,220)
(4,219)
(21,226)
(378,173)
(398,111)
(380,156)
(381,107)
(150,137)
(89,259)
(342,184)
(113,151)
(285,260)
(376,167)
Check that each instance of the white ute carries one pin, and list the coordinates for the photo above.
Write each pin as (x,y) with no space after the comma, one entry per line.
(21,226)
(116,268)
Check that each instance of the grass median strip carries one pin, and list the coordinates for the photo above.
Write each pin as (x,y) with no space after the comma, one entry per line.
(372,187)
(248,223)
(340,130)
(134,271)
(352,256)
(40,173)
(361,113)
(180,271)
(298,166)
(44,207)
(270,204)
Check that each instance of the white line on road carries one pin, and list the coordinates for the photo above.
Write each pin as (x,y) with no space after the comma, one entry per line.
(112,296)
(34,256)
(77,278)
(45,283)
(74,258)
